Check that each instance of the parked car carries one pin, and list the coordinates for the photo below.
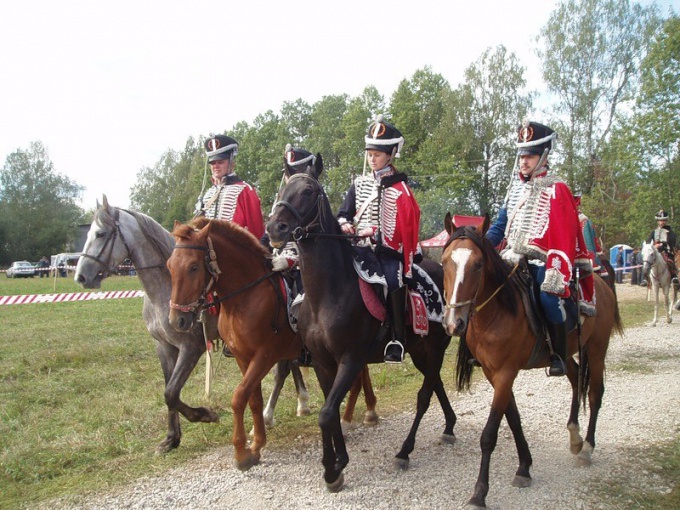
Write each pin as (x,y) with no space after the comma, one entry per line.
(21,269)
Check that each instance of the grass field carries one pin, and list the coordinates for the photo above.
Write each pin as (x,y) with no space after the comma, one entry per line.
(81,396)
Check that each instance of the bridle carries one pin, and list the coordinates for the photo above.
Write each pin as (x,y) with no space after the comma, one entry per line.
(475,309)
(210,259)
(110,242)
(305,230)
(648,264)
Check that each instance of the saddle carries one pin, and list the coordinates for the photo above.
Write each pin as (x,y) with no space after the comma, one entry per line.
(530,292)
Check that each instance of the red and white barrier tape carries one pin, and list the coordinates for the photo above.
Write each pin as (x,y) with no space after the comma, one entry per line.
(25,299)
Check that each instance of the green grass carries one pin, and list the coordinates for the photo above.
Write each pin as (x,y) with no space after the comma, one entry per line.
(81,397)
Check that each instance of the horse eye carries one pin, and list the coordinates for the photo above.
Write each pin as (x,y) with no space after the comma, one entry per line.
(100,234)
(193,268)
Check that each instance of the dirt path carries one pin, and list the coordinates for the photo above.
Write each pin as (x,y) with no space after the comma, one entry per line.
(640,408)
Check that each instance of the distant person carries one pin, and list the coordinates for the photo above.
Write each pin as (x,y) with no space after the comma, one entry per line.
(619,266)
(229,198)
(44,267)
(665,241)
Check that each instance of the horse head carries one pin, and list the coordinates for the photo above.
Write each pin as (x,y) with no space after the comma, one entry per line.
(192,272)
(649,254)
(299,207)
(463,260)
(105,247)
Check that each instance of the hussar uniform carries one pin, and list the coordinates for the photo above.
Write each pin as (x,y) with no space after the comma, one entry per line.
(540,222)
(231,198)
(383,202)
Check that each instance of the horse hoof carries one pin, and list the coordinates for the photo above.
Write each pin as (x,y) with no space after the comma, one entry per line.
(370,418)
(209,416)
(473,506)
(167,446)
(447,439)
(304,411)
(584,460)
(247,463)
(337,485)
(576,448)
(521,481)
(401,464)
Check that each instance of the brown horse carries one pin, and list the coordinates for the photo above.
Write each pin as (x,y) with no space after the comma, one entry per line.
(485,309)
(221,259)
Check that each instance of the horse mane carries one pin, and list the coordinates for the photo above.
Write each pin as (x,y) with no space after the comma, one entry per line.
(498,269)
(151,229)
(233,231)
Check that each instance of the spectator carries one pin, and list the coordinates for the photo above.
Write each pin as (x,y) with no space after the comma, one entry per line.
(44,267)
(619,266)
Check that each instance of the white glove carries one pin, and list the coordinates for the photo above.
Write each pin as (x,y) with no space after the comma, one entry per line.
(511,257)
(280,263)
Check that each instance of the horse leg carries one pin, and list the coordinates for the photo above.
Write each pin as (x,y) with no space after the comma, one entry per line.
(669,304)
(489,438)
(248,391)
(301,390)
(370,416)
(348,415)
(522,476)
(575,438)
(177,366)
(595,360)
(431,383)
(281,371)
(335,456)
(656,302)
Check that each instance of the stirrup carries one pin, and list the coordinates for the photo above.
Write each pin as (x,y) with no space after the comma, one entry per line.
(227,353)
(394,352)
(557,366)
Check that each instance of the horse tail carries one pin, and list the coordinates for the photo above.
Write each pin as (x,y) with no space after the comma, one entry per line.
(463,367)
(583,377)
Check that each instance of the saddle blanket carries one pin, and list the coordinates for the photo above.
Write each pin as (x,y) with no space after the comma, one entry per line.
(370,271)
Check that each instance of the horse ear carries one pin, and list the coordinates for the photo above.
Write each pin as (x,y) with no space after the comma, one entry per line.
(448,224)
(286,168)
(485,224)
(105,202)
(318,167)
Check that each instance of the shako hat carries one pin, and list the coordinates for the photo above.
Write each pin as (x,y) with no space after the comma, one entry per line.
(384,137)
(297,160)
(218,147)
(534,138)
(661,215)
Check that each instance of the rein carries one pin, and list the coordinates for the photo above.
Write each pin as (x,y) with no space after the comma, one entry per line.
(214,270)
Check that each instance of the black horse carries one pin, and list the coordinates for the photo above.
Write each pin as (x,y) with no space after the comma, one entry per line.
(335,324)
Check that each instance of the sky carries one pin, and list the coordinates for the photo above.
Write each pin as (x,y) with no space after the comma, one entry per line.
(108,87)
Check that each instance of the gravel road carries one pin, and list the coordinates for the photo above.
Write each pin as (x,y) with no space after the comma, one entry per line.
(640,409)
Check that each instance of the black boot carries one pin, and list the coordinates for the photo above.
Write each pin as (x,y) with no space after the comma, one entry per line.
(225,350)
(396,304)
(558,338)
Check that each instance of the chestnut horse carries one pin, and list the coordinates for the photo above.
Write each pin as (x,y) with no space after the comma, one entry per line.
(335,324)
(485,309)
(118,234)
(221,259)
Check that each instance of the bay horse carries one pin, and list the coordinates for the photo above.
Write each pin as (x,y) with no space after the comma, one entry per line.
(335,324)
(118,234)
(222,259)
(655,270)
(486,310)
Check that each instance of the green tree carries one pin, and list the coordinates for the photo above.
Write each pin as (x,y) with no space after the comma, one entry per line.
(591,52)
(39,214)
